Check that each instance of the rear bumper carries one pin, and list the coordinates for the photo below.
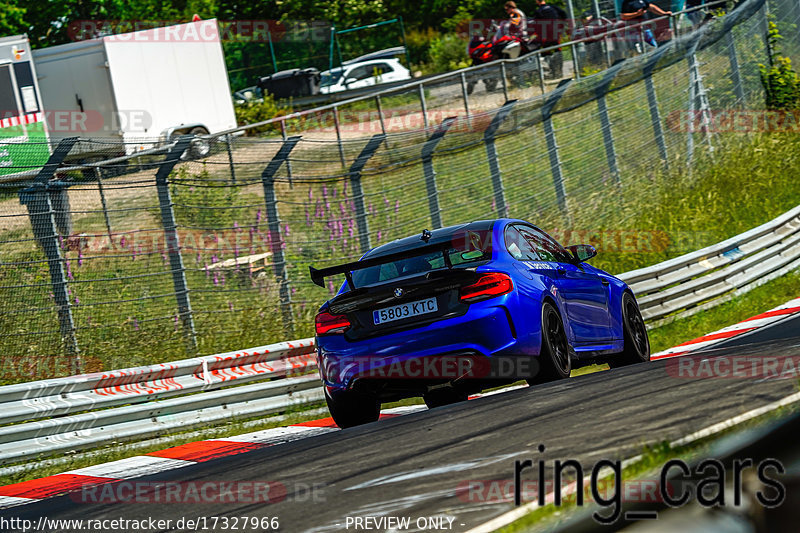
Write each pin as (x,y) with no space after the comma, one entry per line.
(432,353)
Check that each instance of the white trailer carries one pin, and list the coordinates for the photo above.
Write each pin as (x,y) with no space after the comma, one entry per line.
(137,89)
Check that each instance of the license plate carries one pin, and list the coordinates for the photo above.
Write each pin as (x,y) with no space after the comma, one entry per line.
(406,310)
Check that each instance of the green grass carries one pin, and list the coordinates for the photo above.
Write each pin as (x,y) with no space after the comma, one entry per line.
(758,300)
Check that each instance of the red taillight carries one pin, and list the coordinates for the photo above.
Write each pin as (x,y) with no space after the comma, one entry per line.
(488,286)
(328,324)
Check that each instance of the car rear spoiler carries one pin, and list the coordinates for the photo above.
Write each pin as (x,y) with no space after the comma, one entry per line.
(318,275)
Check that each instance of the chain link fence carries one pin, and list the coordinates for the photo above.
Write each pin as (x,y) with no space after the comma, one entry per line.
(153,257)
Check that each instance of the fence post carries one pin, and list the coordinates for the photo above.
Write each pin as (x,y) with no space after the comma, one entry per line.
(230,156)
(423,105)
(38,200)
(736,76)
(605,122)
(464,94)
(652,101)
(274,224)
(430,174)
(358,193)
(697,100)
(288,163)
(503,77)
(98,174)
(491,155)
(338,133)
(172,242)
(380,113)
(552,146)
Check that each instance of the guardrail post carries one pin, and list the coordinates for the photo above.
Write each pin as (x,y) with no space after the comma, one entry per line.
(274,225)
(736,76)
(491,155)
(38,200)
(430,174)
(652,101)
(172,242)
(552,146)
(338,133)
(605,121)
(358,193)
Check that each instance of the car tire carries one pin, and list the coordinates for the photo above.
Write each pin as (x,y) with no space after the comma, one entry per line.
(554,358)
(444,396)
(471,86)
(351,408)
(198,148)
(490,84)
(637,346)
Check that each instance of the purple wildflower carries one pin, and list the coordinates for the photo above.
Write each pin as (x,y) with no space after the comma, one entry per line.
(258,215)
(396,206)
(379,234)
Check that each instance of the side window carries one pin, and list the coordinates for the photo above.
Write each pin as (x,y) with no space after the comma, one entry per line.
(359,73)
(381,68)
(546,247)
(518,246)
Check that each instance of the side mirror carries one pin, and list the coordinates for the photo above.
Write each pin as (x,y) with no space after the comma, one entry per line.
(582,252)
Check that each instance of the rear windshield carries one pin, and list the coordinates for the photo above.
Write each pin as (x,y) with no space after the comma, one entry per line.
(419,265)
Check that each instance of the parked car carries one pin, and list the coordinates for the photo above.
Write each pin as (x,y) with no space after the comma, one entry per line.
(459,309)
(363,73)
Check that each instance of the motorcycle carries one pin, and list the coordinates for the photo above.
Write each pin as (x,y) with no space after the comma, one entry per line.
(502,45)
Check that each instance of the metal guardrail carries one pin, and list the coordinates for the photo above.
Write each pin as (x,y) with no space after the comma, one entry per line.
(79,412)
(692,279)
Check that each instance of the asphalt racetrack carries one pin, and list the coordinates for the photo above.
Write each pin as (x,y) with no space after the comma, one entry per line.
(419,465)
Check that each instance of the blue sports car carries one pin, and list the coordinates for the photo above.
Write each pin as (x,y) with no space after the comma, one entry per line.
(456,310)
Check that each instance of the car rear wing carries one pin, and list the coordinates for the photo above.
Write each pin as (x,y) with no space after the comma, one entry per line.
(318,275)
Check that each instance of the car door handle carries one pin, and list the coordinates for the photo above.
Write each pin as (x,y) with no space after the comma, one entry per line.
(561,270)
(605,282)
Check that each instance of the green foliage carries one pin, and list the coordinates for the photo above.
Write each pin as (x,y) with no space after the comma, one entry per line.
(447,52)
(781,83)
(11,18)
(196,196)
(253,112)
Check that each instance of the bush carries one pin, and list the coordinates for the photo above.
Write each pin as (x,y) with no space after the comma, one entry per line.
(781,83)
(448,52)
(253,112)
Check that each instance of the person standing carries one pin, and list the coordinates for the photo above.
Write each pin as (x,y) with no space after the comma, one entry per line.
(634,12)
(550,23)
(518,24)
